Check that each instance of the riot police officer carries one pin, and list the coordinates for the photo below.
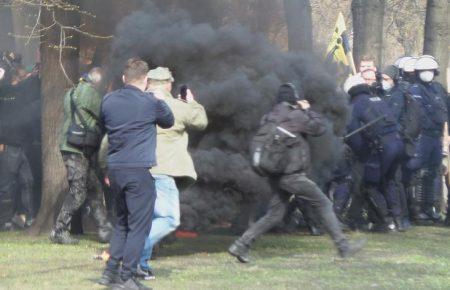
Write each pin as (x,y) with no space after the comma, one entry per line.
(379,147)
(425,164)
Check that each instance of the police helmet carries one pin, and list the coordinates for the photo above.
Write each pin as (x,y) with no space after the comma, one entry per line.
(426,62)
(409,64)
(400,61)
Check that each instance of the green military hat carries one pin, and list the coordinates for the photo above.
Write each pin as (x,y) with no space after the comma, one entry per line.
(160,74)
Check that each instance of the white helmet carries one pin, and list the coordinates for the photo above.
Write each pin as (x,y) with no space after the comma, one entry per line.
(401,61)
(353,81)
(426,62)
(409,64)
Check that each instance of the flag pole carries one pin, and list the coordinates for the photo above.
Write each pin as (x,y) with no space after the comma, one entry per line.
(351,61)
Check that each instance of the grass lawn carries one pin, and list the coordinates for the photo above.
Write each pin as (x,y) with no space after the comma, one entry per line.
(418,259)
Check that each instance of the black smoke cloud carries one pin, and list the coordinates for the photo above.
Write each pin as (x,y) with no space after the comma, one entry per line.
(235,74)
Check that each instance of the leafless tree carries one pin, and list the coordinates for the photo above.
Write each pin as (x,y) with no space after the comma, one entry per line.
(299,24)
(368,18)
(436,41)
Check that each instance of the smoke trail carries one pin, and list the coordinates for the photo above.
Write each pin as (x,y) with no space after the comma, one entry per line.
(235,75)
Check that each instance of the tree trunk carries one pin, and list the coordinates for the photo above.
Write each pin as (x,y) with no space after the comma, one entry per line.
(436,42)
(54,85)
(368,18)
(299,24)
(6,27)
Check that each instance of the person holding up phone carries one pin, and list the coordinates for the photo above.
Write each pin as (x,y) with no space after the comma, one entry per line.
(175,170)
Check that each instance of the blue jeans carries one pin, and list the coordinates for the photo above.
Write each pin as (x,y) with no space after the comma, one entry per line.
(166,216)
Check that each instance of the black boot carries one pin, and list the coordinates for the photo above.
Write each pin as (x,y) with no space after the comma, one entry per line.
(130,284)
(347,249)
(240,251)
(109,277)
(62,237)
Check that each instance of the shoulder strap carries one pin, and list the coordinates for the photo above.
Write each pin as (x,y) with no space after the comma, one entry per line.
(76,111)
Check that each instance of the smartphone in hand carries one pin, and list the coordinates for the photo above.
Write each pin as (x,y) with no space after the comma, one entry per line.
(183,92)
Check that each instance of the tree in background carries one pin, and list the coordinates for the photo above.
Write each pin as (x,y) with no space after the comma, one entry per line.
(59,69)
(299,24)
(368,18)
(436,40)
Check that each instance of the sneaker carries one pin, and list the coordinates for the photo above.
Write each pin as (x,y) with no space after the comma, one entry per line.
(130,284)
(391,227)
(109,277)
(347,249)
(62,237)
(240,251)
(146,274)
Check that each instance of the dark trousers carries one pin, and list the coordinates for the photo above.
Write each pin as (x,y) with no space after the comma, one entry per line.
(16,176)
(134,196)
(83,184)
(379,177)
(301,186)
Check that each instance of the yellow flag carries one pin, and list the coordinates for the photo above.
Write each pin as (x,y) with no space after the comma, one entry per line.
(339,45)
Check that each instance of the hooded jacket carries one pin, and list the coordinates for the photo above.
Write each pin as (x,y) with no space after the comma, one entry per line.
(300,123)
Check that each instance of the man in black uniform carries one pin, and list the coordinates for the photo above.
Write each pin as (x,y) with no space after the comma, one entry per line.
(293,115)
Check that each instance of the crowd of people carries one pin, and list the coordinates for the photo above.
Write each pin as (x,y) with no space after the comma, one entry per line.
(132,143)
(401,152)
(391,174)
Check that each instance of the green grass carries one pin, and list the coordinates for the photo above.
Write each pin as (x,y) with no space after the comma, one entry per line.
(418,259)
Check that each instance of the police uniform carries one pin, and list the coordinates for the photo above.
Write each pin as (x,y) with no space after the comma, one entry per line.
(428,155)
(380,148)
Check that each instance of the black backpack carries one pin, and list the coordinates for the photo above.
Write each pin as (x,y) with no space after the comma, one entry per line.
(269,149)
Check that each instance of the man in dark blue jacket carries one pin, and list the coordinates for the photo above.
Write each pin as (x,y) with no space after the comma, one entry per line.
(130,116)
(379,147)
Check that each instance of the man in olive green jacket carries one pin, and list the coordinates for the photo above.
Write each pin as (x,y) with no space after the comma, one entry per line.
(175,167)
(81,165)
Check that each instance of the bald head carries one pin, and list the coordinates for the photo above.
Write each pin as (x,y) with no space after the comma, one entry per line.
(96,75)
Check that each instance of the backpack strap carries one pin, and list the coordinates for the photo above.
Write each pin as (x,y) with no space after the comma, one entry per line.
(75,110)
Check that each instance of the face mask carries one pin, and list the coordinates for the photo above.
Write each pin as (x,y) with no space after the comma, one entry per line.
(386,85)
(426,76)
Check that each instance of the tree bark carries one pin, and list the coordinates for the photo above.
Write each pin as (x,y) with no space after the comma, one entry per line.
(6,27)
(299,24)
(54,85)
(436,42)
(368,18)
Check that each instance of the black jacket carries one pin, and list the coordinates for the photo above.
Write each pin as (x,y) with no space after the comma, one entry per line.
(300,123)
(20,112)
